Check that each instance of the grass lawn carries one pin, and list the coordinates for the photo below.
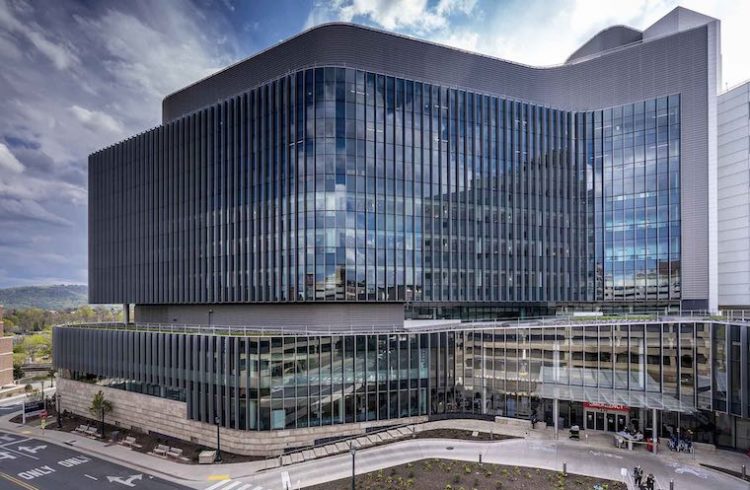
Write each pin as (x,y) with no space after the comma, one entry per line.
(441,474)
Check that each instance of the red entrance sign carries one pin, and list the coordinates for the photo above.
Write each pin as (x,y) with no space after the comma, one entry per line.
(605,406)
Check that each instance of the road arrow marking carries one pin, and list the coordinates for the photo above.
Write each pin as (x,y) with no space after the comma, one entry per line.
(31,450)
(7,438)
(692,471)
(4,455)
(128,482)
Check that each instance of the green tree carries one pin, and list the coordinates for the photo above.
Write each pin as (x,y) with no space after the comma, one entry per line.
(100,407)
(38,345)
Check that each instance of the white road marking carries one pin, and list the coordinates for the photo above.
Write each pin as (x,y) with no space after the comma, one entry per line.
(218,484)
(89,476)
(20,453)
(692,471)
(232,485)
(128,482)
(15,441)
(32,450)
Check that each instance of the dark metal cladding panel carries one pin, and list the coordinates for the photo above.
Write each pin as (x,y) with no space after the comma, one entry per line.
(144,250)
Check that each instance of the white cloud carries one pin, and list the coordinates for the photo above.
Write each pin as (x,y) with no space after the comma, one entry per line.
(533,33)
(8,160)
(153,61)
(96,120)
(75,78)
(58,53)
(415,15)
(460,38)
(27,209)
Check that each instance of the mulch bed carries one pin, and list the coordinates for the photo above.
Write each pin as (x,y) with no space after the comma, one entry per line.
(461,434)
(438,474)
(149,441)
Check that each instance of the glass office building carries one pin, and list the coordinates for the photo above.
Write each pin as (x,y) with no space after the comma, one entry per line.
(334,184)
(370,186)
(606,374)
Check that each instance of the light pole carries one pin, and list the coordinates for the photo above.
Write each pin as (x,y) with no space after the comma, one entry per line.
(58,409)
(353,450)
(218,441)
(101,410)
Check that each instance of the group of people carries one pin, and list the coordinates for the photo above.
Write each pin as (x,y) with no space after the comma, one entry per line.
(681,440)
(643,483)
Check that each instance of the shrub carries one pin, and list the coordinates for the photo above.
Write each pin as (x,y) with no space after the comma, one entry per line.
(456,479)
(467,469)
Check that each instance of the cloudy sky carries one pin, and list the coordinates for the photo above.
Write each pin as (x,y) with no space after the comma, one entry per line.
(80,75)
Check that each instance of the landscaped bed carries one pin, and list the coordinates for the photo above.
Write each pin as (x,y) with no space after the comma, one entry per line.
(440,474)
(461,434)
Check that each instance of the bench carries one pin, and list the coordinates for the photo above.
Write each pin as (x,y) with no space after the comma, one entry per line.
(174,452)
(82,428)
(91,431)
(131,442)
(161,450)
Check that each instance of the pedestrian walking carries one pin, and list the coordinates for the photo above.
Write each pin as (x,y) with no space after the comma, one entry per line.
(637,476)
(650,480)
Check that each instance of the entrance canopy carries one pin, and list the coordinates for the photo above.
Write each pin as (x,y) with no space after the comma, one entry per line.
(609,396)
(549,386)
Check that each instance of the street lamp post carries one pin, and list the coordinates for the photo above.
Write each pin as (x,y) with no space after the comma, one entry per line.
(101,409)
(58,409)
(218,441)
(353,450)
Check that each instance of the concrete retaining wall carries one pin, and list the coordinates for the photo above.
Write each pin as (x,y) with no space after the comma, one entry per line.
(169,417)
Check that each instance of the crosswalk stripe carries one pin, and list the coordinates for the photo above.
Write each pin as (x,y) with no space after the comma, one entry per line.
(244,487)
(232,485)
(218,485)
(258,488)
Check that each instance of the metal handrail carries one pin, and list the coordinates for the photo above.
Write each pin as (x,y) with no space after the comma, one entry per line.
(317,330)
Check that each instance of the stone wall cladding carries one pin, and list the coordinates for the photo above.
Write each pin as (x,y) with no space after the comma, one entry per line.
(6,355)
(169,417)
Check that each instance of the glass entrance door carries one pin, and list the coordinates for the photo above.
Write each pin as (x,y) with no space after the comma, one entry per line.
(599,420)
(622,422)
(590,420)
(611,426)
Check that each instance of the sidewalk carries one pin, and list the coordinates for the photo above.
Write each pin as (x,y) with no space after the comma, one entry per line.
(594,456)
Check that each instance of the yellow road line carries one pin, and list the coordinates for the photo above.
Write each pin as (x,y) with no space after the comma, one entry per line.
(218,477)
(18,482)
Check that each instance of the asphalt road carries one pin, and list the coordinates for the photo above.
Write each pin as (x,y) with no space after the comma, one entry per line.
(31,464)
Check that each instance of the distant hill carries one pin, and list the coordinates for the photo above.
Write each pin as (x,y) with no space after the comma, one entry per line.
(56,297)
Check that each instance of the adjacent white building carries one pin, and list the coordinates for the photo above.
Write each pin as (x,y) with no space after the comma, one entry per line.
(734,197)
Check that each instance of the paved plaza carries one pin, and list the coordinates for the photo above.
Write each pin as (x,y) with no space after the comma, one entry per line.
(594,455)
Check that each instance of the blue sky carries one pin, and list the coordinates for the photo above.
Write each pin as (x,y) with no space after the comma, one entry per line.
(80,75)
